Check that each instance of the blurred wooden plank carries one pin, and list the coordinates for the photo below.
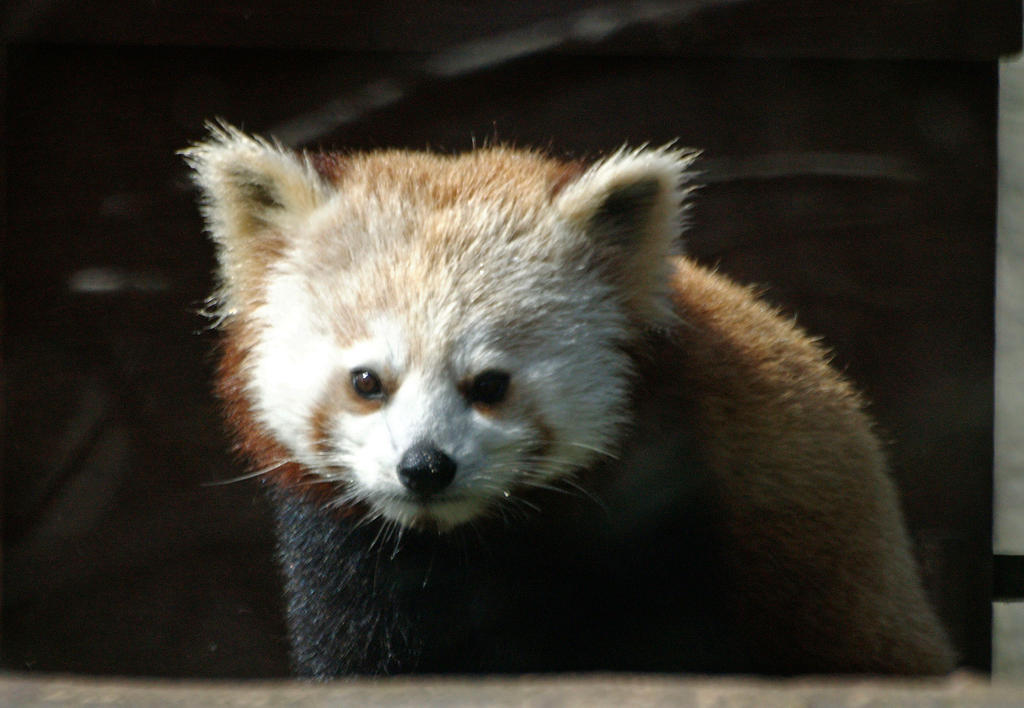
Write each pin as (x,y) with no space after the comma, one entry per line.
(748,28)
(599,690)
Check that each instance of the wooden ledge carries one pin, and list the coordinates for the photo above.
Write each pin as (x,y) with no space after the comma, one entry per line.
(600,690)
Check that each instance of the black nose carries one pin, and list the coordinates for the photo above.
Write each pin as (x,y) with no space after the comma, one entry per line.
(425,470)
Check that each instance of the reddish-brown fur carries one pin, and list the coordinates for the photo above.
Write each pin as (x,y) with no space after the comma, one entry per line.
(253,443)
(767,403)
(820,576)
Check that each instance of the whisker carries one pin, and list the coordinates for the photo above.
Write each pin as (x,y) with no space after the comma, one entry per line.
(399,532)
(528,504)
(575,486)
(380,531)
(251,475)
(599,450)
(537,484)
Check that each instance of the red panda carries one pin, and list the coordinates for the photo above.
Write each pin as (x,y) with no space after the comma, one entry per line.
(504,430)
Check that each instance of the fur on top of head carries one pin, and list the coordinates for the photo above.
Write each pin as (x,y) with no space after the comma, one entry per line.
(433,332)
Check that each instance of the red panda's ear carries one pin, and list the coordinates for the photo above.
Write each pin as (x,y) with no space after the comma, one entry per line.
(254,191)
(631,206)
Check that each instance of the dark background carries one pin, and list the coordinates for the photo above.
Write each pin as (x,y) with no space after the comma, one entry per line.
(849,168)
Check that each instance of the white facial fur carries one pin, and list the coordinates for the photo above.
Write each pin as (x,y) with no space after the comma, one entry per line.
(388,271)
(566,400)
(292,362)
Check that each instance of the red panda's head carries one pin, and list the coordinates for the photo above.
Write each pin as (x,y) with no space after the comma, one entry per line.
(432,334)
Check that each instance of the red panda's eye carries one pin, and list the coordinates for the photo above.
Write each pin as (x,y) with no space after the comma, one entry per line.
(367,384)
(489,387)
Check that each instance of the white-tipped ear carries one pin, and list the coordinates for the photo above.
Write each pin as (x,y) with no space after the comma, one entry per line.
(254,191)
(631,206)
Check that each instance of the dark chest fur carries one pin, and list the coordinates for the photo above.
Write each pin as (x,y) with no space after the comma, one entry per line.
(569,591)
